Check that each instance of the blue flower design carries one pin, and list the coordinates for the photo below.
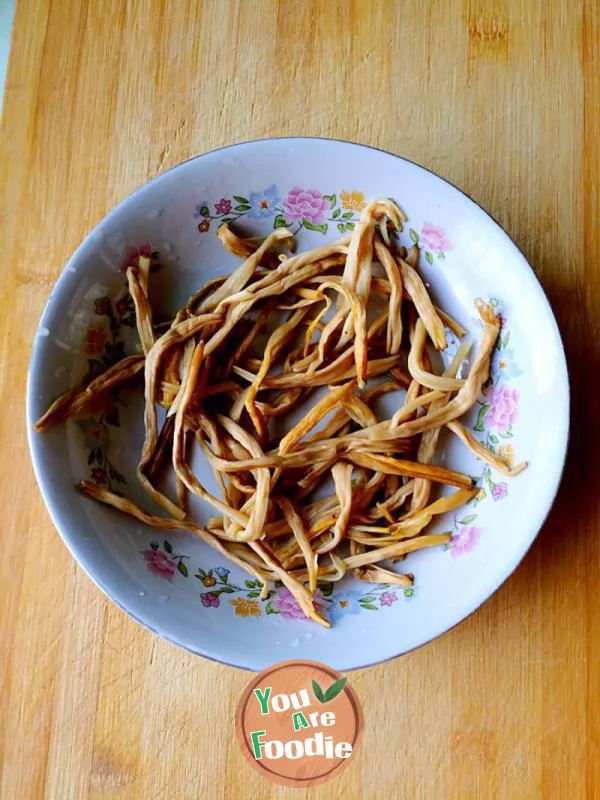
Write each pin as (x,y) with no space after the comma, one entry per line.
(504,365)
(344,603)
(264,204)
(221,572)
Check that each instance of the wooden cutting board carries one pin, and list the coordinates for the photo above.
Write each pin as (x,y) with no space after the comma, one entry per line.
(502,98)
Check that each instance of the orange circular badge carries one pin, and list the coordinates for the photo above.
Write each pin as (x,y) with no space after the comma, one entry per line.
(299,723)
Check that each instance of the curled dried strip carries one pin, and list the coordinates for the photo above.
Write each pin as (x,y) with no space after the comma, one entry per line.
(342,479)
(297,589)
(238,279)
(482,452)
(410,469)
(143,311)
(394,322)
(377,574)
(429,439)
(80,399)
(127,507)
(415,289)
(294,520)
(236,245)
(182,469)
(417,368)
(400,548)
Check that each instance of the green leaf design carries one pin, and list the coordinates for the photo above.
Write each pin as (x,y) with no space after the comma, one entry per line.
(348,215)
(326,589)
(335,689)
(310,227)
(269,609)
(493,439)
(414,235)
(493,302)
(253,594)
(349,226)
(409,591)
(336,213)
(441,256)
(183,569)
(200,574)
(428,257)
(250,584)
(341,227)
(318,692)
(468,520)
(369,606)
(226,589)
(280,221)
(243,208)
(332,199)
(367,599)
(479,426)
(154,545)
(239,199)
(167,546)
(506,339)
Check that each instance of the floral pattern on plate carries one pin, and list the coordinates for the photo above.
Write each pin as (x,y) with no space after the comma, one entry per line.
(300,208)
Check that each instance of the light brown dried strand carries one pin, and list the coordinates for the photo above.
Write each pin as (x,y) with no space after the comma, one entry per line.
(182,469)
(328,402)
(79,399)
(394,322)
(376,574)
(300,592)
(143,311)
(401,548)
(417,368)
(416,290)
(124,505)
(237,245)
(468,394)
(429,439)
(240,277)
(410,469)
(296,524)
(482,452)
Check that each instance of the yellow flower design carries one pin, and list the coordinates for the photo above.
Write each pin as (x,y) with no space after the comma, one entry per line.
(354,201)
(245,608)
(507,454)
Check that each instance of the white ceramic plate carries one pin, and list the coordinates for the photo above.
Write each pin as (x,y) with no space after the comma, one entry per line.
(180,588)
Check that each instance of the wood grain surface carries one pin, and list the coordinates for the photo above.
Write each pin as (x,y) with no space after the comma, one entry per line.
(501,97)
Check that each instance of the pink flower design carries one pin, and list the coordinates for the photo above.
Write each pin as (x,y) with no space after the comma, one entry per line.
(287,605)
(223,206)
(503,407)
(160,563)
(210,600)
(464,541)
(434,238)
(305,204)
(387,598)
(499,491)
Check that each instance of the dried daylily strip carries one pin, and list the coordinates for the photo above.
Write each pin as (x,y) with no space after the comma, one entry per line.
(80,399)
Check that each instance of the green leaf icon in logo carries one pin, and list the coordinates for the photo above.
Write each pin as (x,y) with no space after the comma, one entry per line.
(331,693)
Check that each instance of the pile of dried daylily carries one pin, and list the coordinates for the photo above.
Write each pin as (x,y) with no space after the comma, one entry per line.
(253,346)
